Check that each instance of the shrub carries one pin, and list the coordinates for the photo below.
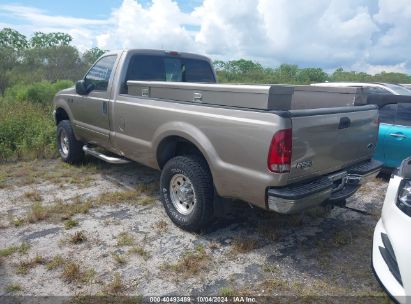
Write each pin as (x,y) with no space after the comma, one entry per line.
(38,92)
(62,84)
(27,131)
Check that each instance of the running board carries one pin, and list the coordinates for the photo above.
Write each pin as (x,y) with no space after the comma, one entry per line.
(106,158)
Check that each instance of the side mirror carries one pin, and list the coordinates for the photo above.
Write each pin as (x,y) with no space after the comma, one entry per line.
(81,87)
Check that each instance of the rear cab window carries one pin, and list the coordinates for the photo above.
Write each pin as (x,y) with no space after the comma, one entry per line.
(168,68)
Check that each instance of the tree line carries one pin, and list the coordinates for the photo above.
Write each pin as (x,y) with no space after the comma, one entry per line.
(247,71)
(43,57)
(51,57)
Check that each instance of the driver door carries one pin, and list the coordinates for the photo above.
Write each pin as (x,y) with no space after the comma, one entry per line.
(91,111)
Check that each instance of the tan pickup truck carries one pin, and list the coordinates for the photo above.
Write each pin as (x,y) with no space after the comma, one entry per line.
(256,143)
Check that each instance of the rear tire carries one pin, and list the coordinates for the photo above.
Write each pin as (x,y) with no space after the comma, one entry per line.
(70,149)
(187,192)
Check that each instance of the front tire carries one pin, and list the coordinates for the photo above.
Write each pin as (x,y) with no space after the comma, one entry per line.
(70,149)
(187,192)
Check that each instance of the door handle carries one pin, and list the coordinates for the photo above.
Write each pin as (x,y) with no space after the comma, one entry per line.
(398,135)
(104,107)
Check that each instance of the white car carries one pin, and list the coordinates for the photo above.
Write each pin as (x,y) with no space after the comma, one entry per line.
(391,253)
(373,87)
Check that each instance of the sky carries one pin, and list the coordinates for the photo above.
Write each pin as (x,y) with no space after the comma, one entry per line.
(362,35)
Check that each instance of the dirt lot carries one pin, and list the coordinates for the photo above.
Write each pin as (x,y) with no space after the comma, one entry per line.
(99,229)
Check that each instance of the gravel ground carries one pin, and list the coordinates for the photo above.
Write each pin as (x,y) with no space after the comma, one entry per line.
(115,238)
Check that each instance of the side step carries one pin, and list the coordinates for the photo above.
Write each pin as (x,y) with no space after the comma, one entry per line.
(106,158)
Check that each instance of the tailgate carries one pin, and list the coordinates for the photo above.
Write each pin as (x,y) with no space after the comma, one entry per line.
(327,140)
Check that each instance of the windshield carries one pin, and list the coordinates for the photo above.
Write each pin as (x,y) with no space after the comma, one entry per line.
(398,89)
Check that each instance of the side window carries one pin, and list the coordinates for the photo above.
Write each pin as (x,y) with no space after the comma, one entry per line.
(404,114)
(99,74)
(388,113)
(377,90)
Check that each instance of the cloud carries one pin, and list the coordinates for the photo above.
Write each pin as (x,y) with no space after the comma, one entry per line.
(305,32)
(160,25)
(363,34)
(41,18)
(82,30)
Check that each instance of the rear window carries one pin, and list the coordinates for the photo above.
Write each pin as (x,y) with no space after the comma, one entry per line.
(168,68)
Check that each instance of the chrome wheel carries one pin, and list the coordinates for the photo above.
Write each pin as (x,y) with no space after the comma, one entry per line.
(64,143)
(182,194)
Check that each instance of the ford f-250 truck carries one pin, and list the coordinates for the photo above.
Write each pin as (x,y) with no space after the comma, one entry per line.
(248,142)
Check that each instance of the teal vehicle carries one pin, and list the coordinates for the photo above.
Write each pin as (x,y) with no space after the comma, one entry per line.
(394,138)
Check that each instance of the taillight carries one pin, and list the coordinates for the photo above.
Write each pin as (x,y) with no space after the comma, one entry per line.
(279,155)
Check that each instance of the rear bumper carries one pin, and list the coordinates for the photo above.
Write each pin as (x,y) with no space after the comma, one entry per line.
(333,187)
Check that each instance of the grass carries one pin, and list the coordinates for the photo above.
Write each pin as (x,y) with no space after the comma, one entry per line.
(78,237)
(341,238)
(226,292)
(269,230)
(33,196)
(67,210)
(125,239)
(116,286)
(3,180)
(58,210)
(110,198)
(161,226)
(71,272)
(119,258)
(22,249)
(130,196)
(271,268)
(37,213)
(146,200)
(13,287)
(25,266)
(56,262)
(274,284)
(27,131)
(140,251)
(145,188)
(190,263)
(17,221)
(70,223)
(74,272)
(244,245)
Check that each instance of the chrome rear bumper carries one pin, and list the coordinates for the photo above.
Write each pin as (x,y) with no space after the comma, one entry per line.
(333,187)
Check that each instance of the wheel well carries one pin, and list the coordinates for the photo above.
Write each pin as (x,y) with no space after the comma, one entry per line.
(61,114)
(174,146)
